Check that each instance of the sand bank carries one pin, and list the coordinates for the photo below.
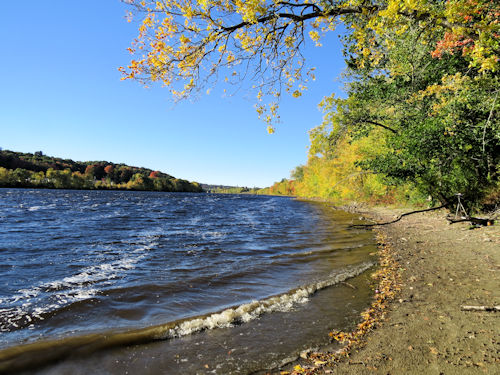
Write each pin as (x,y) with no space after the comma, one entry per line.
(425,331)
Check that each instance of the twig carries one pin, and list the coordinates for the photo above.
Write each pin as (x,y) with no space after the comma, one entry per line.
(348,284)
(481,308)
(351,175)
(488,121)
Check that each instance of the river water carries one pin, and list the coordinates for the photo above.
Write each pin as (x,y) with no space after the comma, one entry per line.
(109,282)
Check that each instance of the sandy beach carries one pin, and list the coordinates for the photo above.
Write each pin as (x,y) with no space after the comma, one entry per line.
(425,330)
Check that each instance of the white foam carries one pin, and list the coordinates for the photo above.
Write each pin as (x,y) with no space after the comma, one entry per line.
(67,290)
(252,310)
(212,235)
(196,220)
(36,208)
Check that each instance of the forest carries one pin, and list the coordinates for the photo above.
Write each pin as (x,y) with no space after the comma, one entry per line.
(224,189)
(419,118)
(25,170)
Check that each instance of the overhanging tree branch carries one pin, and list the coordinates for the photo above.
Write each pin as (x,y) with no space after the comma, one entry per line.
(380,125)
(336,12)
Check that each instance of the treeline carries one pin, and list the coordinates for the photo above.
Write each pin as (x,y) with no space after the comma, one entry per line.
(341,179)
(419,121)
(284,187)
(419,118)
(40,171)
(223,189)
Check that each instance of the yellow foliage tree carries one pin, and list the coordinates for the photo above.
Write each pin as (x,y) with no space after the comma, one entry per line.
(188,44)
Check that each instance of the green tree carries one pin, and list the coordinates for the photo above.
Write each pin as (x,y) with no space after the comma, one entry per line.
(188,45)
(423,71)
(298,173)
(6,179)
(20,176)
(438,114)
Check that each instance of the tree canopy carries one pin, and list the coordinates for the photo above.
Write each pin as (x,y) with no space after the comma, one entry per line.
(188,45)
(422,79)
(19,169)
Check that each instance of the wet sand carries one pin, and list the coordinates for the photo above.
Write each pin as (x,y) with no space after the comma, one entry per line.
(425,331)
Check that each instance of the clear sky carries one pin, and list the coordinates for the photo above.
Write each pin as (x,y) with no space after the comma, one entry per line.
(61,93)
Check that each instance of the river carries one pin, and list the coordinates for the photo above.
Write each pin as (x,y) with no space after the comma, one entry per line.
(110,282)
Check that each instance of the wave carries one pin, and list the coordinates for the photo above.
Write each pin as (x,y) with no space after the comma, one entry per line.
(322,251)
(18,311)
(252,310)
(37,208)
(32,356)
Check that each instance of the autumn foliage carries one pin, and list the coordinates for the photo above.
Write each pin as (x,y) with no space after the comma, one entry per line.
(109,169)
(40,171)
(188,45)
(421,83)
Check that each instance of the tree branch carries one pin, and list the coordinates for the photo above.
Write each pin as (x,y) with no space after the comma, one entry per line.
(304,17)
(381,125)
(399,217)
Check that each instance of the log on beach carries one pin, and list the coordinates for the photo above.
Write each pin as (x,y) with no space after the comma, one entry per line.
(472,220)
(481,308)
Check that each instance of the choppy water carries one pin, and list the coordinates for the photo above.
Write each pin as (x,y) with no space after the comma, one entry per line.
(108,282)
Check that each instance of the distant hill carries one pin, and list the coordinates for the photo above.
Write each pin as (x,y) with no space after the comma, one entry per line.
(37,170)
(224,189)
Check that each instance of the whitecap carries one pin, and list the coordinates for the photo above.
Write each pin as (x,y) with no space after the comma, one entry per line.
(213,235)
(37,208)
(67,290)
(252,310)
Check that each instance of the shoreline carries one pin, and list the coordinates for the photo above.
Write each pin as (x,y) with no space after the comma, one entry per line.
(428,269)
(423,330)
(285,327)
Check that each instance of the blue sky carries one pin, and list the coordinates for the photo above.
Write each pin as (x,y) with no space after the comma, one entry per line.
(61,93)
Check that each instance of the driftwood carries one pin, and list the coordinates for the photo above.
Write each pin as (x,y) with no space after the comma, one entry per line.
(481,308)
(349,285)
(473,220)
(399,217)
